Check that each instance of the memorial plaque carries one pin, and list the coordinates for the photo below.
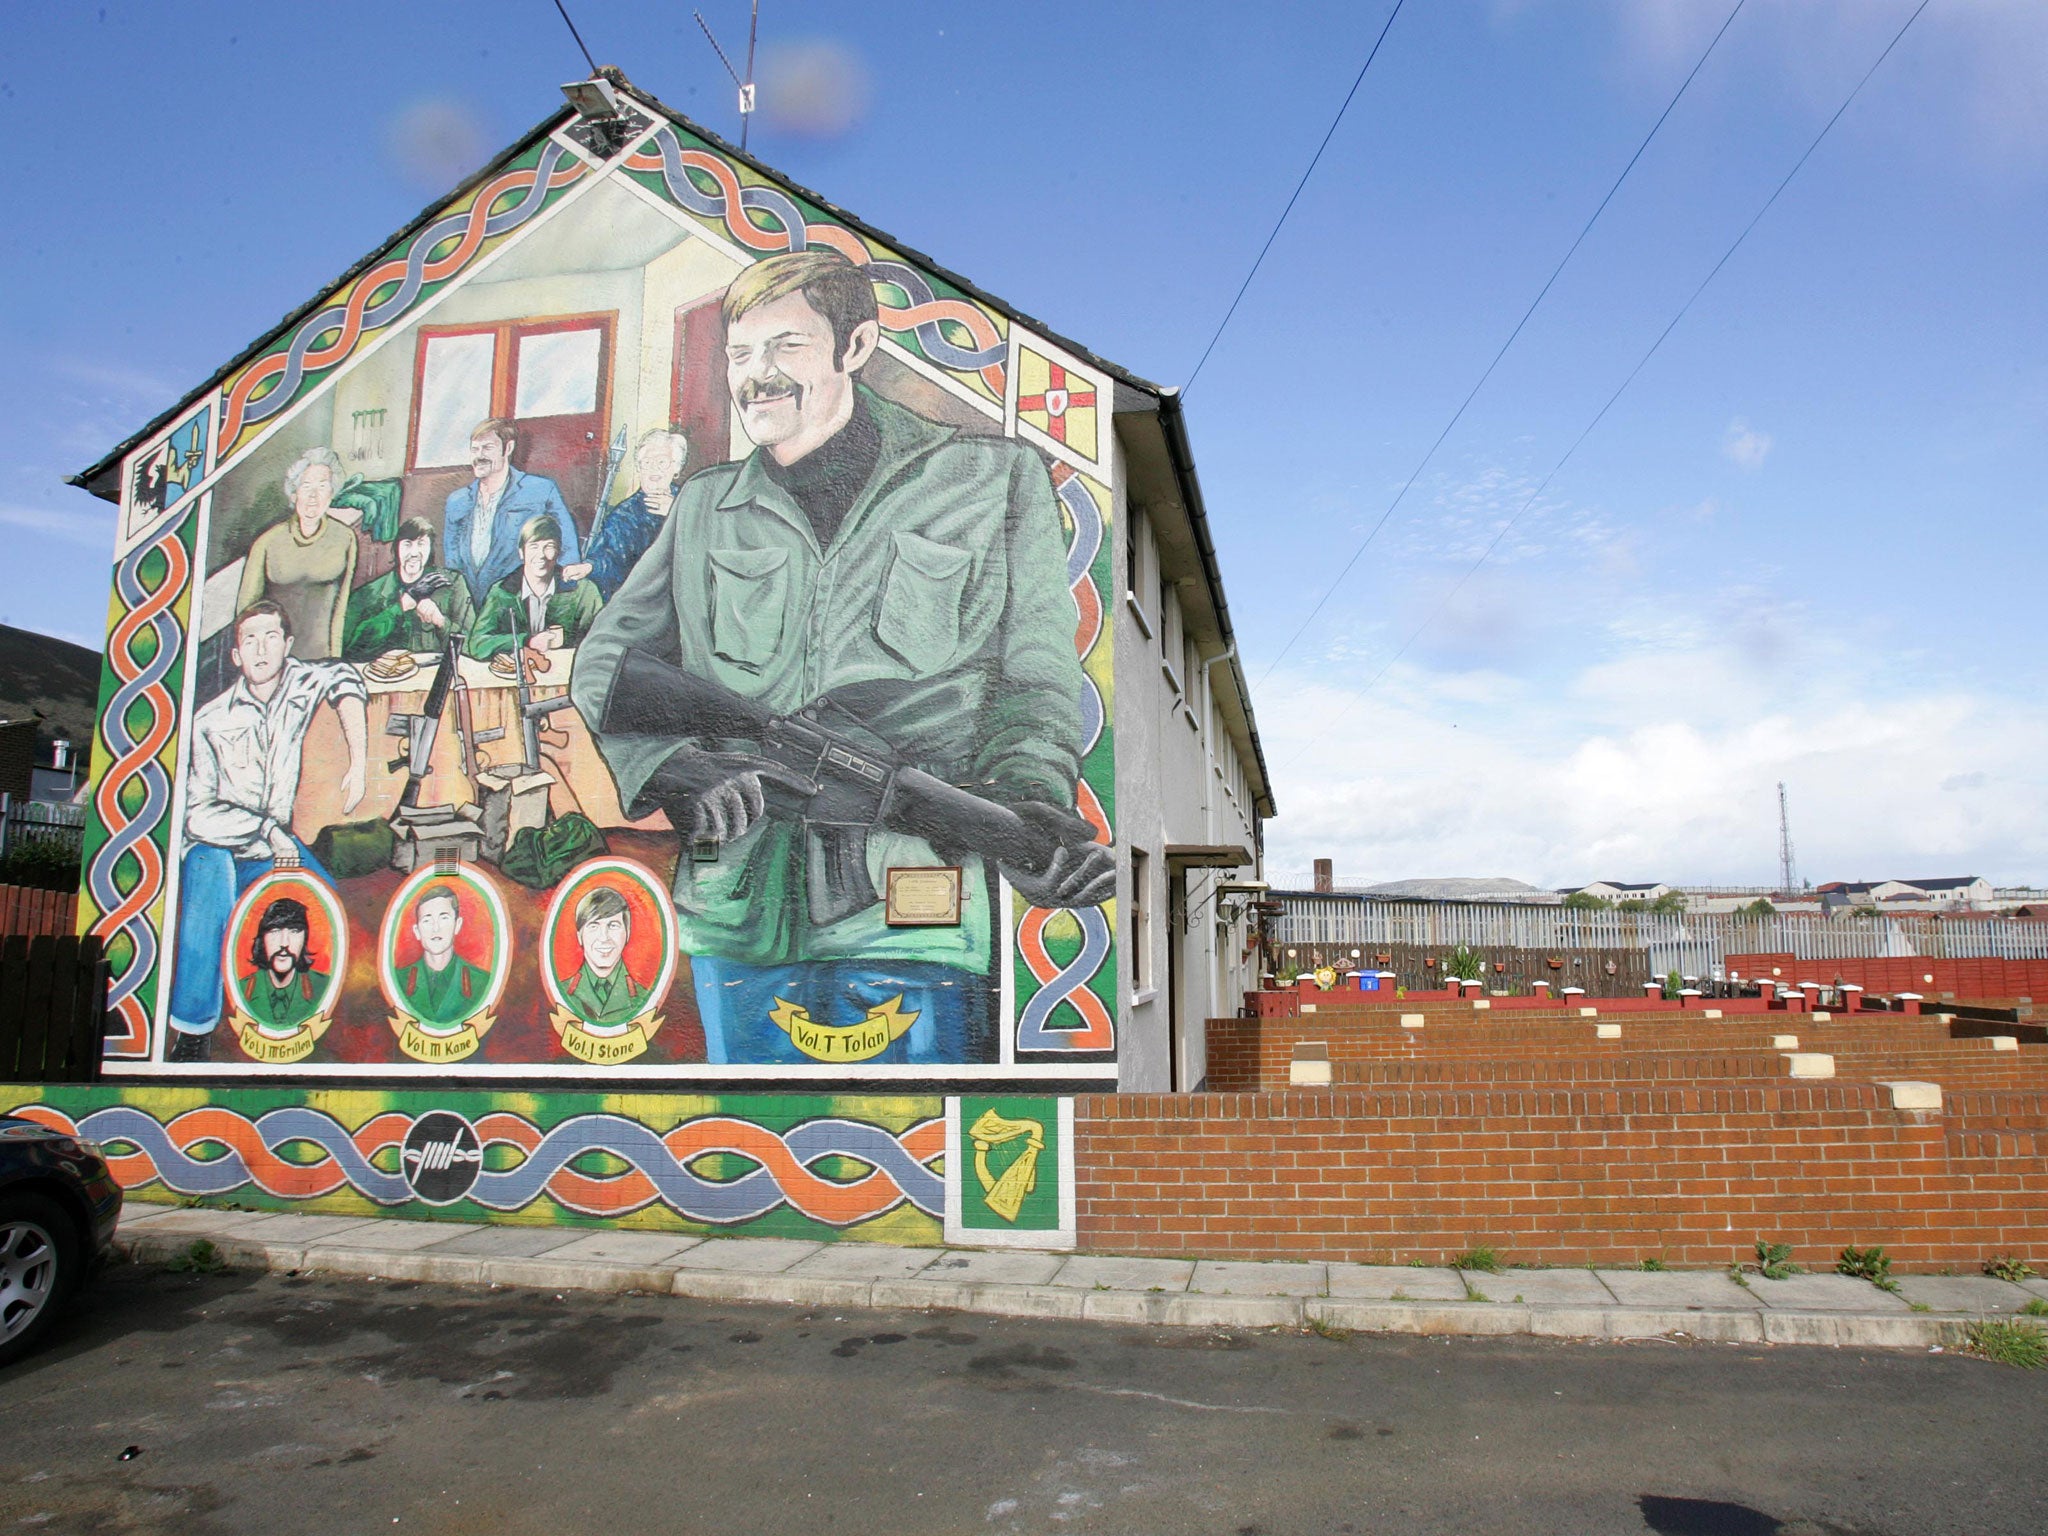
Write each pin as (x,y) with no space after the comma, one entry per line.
(927,897)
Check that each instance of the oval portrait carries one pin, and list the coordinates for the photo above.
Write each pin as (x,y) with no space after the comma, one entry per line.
(442,958)
(282,961)
(608,954)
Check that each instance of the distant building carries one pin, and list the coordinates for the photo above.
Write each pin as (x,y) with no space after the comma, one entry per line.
(1619,890)
(49,700)
(1938,892)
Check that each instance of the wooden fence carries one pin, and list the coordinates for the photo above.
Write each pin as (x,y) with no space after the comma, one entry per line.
(53,1009)
(28,911)
(39,821)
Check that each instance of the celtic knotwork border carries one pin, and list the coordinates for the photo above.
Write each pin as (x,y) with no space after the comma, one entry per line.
(958,335)
(244,1150)
(387,291)
(124,879)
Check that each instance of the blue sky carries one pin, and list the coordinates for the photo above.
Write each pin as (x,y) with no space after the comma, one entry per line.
(1806,546)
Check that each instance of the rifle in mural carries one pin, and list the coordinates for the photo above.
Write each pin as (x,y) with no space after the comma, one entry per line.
(422,729)
(531,710)
(612,460)
(423,834)
(832,781)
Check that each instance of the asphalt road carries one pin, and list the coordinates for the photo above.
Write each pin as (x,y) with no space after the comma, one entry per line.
(261,1404)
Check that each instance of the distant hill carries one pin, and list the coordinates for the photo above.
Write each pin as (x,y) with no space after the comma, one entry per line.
(55,676)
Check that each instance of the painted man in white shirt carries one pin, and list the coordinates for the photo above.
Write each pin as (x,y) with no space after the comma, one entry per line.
(244,780)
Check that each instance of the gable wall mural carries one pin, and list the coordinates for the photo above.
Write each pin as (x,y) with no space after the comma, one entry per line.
(637,627)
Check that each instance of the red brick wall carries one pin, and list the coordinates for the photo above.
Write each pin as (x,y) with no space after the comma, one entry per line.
(1609,1175)
(1980,978)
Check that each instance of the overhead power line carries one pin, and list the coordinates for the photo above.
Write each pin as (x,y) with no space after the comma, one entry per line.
(1642,362)
(577,35)
(1473,393)
(1314,161)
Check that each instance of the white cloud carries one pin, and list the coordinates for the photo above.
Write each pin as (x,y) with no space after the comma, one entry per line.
(93,526)
(1657,758)
(1743,445)
(1975,65)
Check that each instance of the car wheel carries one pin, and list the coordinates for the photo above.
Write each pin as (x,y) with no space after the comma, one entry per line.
(39,1262)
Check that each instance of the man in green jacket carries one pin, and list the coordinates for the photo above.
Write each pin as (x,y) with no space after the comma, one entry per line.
(915,577)
(410,608)
(534,608)
(603,990)
(286,987)
(440,987)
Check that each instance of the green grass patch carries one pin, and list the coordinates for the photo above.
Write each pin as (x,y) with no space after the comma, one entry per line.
(2016,1344)
(1483,1259)
(200,1258)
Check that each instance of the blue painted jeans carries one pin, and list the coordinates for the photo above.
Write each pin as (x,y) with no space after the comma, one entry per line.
(736,1000)
(210,880)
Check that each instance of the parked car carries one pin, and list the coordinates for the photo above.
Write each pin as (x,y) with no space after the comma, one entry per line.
(58,1208)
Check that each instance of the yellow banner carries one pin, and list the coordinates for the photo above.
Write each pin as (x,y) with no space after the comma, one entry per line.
(450,1046)
(279,1049)
(882,1028)
(607,1049)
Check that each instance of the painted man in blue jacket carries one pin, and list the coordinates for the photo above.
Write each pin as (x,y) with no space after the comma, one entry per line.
(480,534)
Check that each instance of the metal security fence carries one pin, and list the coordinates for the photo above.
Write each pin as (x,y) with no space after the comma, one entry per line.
(1692,944)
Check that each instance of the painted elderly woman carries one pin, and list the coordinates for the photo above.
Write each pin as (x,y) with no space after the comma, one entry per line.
(307,563)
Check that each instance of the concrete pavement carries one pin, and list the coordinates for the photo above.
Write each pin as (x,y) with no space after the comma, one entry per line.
(1562,1303)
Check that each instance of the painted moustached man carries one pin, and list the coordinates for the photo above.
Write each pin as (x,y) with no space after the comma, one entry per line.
(247,746)
(913,575)
(481,522)
(287,985)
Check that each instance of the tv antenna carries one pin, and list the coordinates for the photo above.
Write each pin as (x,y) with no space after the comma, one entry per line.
(746,86)
(1788,874)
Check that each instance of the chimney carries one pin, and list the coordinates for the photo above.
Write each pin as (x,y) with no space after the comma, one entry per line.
(1326,876)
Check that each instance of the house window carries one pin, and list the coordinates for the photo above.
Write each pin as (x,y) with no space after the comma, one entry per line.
(1134,563)
(1139,935)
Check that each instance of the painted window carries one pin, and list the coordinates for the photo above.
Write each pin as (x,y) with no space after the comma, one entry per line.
(554,371)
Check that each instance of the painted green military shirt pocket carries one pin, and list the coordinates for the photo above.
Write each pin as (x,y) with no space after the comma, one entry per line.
(749,604)
(919,614)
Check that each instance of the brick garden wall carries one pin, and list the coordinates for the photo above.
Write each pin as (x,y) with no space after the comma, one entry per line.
(1966,978)
(1609,1175)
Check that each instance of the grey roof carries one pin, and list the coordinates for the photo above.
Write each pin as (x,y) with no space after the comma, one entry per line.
(1939,883)
(1462,888)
